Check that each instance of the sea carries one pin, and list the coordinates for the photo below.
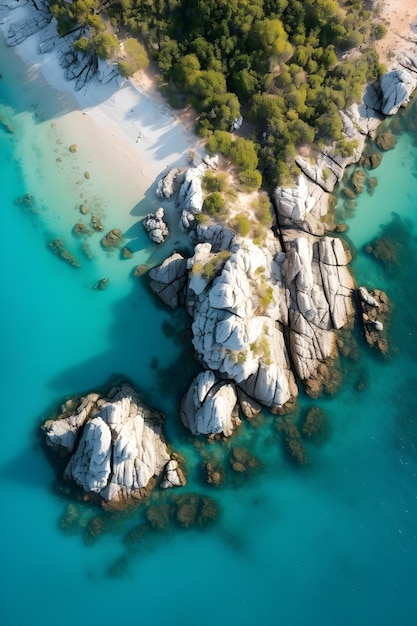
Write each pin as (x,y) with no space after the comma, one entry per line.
(330,542)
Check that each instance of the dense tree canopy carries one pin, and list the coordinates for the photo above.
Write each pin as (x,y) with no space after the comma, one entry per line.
(284,64)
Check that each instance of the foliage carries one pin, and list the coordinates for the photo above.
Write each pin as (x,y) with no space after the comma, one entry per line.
(241,224)
(281,61)
(136,58)
(214,182)
(213,203)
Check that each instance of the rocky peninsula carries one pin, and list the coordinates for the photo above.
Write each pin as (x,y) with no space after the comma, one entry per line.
(266,312)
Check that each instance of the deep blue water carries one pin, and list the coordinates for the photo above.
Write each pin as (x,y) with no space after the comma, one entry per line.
(333,542)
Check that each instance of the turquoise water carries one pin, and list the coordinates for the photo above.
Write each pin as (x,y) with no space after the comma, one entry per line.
(333,542)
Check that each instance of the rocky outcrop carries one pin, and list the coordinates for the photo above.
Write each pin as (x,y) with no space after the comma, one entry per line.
(19,31)
(169,280)
(375,312)
(156,226)
(190,196)
(208,406)
(261,316)
(170,183)
(115,444)
(396,87)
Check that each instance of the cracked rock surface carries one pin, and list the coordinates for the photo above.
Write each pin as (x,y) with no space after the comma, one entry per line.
(262,315)
(115,444)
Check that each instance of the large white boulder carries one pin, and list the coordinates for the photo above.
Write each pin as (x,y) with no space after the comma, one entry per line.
(116,444)
(396,86)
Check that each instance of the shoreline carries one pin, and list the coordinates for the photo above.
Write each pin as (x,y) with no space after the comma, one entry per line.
(130,116)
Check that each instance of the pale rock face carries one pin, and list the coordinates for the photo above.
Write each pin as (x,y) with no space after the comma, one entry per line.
(396,87)
(208,406)
(155,226)
(173,475)
(321,298)
(294,202)
(169,184)
(190,195)
(169,280)
(120,448)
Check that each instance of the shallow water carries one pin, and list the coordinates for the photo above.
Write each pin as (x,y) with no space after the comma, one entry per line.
(333,542)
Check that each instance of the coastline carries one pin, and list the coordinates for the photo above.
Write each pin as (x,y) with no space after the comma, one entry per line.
(124,123)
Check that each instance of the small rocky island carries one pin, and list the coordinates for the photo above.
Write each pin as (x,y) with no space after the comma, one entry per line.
(114,447)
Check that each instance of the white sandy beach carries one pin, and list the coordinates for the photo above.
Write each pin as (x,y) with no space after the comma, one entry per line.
(123,122)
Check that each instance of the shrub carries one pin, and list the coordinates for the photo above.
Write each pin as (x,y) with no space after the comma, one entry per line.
(250,180)
(214,182)
(241,224)
(262,210)
(213,203)
(136,60)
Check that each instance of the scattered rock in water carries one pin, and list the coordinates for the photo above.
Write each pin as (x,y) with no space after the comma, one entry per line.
(101,284)
(384,249)
(87,250)
(174,475)
(326,379)
(348,346)
(140,270)
(348,193)
(191,509)
(73,148)
(375,160)
(242,460)
(375,309)
(112,239)
(127,253)
(156,226)
(215,474)
(158,516)
(357,180)
(292,439)
(315,425)
(87,175)
(70,520)
(58,248)
(371,184)
(386,141)
(96,223)
(137,535)
(27,201)
(95,528)
(80,228)
(84,209)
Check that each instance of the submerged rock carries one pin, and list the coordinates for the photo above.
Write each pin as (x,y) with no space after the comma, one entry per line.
(115,444)
(112,239)
(386,141)
(375,310)
(57,246)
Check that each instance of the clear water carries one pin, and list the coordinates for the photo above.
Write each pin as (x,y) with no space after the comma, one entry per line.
(334,542)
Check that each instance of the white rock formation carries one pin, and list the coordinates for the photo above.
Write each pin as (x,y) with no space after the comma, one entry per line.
(396,87)
(116,444)
(208,406)
(169,280)
(156,226)
(190,196)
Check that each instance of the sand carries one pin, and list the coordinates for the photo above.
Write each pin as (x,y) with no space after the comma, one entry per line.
(400,18)
(126,117)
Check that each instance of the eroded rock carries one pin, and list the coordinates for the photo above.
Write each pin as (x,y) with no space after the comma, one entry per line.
(115,444)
